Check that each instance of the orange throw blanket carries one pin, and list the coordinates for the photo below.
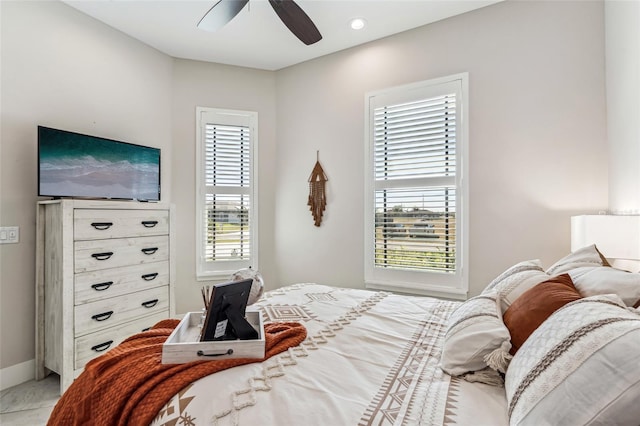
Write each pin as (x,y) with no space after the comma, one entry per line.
(129,384)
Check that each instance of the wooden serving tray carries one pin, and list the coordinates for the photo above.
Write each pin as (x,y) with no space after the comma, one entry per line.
(184,345)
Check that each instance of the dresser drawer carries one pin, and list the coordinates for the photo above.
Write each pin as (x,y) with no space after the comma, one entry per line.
(107,313)
(103,254)
(90,224)
(95,344)
(97,285)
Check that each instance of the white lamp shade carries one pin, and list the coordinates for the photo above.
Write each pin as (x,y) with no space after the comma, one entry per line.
(616,236)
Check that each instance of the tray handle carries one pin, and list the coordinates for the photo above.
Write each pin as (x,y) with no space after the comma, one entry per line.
(203,353)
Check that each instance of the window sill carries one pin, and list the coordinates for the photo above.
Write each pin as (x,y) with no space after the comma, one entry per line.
(215,276)
(420,290)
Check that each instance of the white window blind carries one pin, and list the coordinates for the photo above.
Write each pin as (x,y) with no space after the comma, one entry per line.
(226,226)
(228,203)
(415,164)
(414,183)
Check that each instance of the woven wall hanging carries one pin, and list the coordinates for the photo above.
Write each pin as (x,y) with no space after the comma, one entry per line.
(317,192)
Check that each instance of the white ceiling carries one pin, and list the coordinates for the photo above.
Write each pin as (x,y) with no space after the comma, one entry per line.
(256,37)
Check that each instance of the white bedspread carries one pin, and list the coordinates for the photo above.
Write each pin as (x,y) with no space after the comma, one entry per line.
(370,358)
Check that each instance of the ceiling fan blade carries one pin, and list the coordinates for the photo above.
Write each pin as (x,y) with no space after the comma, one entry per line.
(220,14)
(297,21)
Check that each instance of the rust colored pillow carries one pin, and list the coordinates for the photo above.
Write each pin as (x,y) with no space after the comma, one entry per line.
(535,305)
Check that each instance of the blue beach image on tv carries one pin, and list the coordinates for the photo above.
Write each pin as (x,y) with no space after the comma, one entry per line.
(76,165)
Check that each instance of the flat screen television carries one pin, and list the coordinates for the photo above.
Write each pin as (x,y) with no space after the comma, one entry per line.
(81,166)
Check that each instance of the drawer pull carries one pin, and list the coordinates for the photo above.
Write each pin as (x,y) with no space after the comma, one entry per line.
(149,223)
(103,316)
(150,303)
(202,353)
(102,256)
(102,286)
(149,250)
(101,226)
(149,277)
(102,346)
(146,329)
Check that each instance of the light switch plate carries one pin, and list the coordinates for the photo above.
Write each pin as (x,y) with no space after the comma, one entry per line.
(9,234)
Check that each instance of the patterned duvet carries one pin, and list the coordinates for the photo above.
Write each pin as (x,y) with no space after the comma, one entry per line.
(370,358)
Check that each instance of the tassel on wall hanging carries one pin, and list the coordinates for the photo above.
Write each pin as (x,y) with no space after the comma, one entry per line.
(317,192)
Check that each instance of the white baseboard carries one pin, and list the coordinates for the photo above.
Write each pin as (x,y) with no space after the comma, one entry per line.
(16,374)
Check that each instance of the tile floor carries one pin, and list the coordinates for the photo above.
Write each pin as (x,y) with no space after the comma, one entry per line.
(30,403)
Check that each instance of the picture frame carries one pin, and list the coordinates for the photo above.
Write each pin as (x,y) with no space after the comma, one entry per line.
(225,317)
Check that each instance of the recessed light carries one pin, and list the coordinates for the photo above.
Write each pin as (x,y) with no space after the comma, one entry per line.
(357,23)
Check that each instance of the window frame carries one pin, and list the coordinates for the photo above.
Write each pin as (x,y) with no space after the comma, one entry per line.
(228,117)
(454,285)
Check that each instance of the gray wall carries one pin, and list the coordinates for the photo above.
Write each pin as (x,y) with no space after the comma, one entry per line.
(219,86)
(622,23)
(64,70)
(537,135)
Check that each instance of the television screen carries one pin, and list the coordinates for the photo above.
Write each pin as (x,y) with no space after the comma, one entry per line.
(76,165)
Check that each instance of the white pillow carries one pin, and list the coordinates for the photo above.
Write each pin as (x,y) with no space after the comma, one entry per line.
(516,280)
(591,281)
(475,332)
(586,256)
(581,366)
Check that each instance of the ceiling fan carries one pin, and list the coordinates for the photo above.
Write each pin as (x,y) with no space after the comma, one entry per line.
(289,12)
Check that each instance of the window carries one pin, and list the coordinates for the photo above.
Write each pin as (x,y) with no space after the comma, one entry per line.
(226,223)
(415,202)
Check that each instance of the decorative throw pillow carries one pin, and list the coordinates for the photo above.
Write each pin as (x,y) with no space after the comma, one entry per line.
(475,332)
(535,306)
(591,281)
(586,256)
(516,280)
(581,366)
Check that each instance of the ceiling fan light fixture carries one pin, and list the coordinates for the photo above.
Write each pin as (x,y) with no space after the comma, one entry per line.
(357,23)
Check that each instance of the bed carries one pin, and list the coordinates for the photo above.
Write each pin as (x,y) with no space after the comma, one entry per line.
(377,358)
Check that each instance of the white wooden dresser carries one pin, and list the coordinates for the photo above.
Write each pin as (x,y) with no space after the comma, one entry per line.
(104,271)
